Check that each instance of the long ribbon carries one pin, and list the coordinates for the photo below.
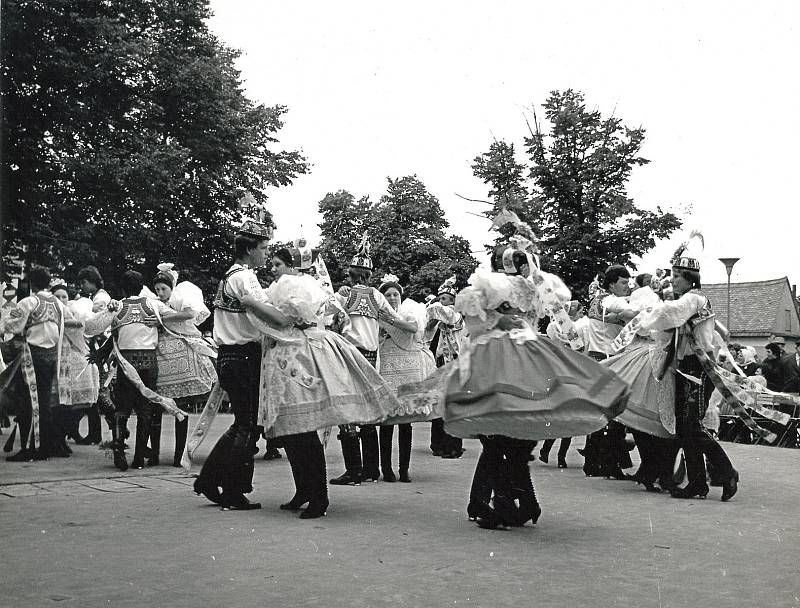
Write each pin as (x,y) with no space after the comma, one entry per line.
(130,372)
(710,368)
(203,426)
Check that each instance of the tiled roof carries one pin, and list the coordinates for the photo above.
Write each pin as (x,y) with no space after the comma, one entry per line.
(754,306)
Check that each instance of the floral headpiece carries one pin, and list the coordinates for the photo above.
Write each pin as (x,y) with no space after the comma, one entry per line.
(390,280)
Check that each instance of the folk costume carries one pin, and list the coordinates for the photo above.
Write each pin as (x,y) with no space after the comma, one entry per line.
(312,379)
(689,325)
(100,299)
(363,306)
(185,361)
(227,474)
(404,359)
(447,337)
(134,328)
(650,413)
(606,451)
(40,371)
(513,386)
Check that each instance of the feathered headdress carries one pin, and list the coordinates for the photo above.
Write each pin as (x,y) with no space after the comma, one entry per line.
(166,269)
(687,255)
(448,287)
(361,259)
(523,239)
(259,226)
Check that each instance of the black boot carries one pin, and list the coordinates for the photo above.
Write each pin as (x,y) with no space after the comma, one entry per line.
(351,451)
(155,437)
(482,481)
(298,462)
(314,477)
(370,453)
(142,438)
(386,434)
(181,431)
(404,440)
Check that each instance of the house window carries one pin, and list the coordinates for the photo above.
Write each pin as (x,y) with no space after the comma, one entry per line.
(788,317)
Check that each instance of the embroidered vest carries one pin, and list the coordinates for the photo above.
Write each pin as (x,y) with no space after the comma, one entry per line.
(222,300)
(595,310)
(361,302)
(46,311)
(134,310)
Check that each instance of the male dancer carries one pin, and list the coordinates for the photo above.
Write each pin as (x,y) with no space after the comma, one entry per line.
(227,474)
(365,305)
(38,321)
(134,322)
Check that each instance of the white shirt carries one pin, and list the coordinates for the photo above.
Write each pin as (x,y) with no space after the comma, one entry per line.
(235,327)
(672,314)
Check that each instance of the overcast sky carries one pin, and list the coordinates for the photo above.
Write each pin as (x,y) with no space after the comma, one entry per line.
(390,89)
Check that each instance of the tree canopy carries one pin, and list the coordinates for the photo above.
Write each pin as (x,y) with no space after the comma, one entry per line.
(572,191)
(406,229)
(127,137)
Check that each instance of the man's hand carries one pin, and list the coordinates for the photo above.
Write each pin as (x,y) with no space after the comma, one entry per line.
(344,291)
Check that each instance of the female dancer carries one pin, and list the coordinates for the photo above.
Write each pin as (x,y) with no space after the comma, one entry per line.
(513,386)
(312,378)
(650,412)
(404,358)
(185,361)
(84,377)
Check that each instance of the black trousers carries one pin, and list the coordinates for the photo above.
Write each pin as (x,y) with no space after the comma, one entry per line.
(691,401)
(657,455)
(45,365)
(230,464)
(127,399)
(502,468)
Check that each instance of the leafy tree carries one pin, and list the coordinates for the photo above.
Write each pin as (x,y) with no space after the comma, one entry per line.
(407,235)
(575,193)
(127,137)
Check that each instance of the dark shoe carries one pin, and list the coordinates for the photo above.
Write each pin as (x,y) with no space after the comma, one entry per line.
(699,490)
(404,478)
(562,463)
(347,479)
(389,476)
(153,462)
(545,458)
(21,456)
(372,476)
(295,504)
(453,454)
(137,463)
(508,511)
(212,493)
(484,515)
(120,461)
(315,510)
(61,451)
(238,502)
(41,454)
(177,463)
(272,454)
(730,487)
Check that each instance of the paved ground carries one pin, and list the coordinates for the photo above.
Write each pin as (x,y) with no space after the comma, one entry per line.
(76,532)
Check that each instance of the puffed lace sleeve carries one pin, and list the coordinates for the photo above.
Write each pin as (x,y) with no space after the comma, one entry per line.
(188,296)
(672,313)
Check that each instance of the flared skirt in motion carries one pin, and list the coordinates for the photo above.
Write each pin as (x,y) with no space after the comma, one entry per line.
(534,389)
(317,379)
(651,404)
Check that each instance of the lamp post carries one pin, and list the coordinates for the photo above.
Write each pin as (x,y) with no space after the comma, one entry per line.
(729,262)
